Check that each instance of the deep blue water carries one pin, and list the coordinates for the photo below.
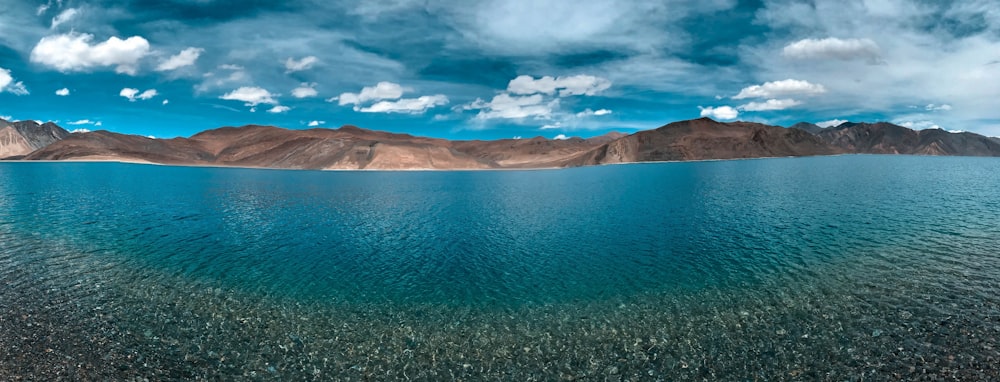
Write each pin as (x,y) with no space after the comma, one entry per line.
(750,252)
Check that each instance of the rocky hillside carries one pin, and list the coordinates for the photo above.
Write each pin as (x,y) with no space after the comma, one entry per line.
(887,138)
(350,147)
(704,138)
(18,139)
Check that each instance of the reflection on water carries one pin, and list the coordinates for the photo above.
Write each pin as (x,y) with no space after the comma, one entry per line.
(837,268)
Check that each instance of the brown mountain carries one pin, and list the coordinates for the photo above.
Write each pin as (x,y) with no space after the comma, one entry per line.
(20,138)
(811,128)
(887,138)
(351,147)
(264,146)
(704,138)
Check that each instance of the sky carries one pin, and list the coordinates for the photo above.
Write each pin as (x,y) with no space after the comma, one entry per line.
(490,69)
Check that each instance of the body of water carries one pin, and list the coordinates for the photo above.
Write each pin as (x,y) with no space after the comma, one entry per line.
(826,268)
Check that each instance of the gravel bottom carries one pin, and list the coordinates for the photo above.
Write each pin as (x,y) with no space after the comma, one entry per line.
(97,328)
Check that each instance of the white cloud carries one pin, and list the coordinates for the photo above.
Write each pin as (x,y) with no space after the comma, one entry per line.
(148,94)
(771,104)
(62,92)
(82,122)
(64,16)
(305,90)
(834,48)
(279,109)
(406,105)
(720,113)
(316,123)
(930,52)
(74,131)
(589,113)
(942,107)
(186,57)
(74,52)
(41,9)
(7,84)
(133,94)
(781,88)
(251,96)
(381,91)
(166,101)
(129,93)
(237,76)
(505,106)
(550,126)
(560,137)
(293,65)
(6,117)
(98,123)
(566,86)
(919,125)
(831,123)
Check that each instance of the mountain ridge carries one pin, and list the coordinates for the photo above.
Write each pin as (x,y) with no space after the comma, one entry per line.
(352,147)
(20,138)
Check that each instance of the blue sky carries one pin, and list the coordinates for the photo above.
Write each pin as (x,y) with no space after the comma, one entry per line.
(498,69)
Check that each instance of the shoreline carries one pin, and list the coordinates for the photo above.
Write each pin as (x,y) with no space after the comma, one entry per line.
(140,162)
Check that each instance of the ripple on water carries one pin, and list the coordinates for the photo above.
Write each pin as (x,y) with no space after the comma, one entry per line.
(810,268)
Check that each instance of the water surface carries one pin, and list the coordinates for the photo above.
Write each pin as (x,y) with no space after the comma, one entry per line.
(839,268)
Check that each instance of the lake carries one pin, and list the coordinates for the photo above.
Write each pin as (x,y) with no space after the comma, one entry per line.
(824,268)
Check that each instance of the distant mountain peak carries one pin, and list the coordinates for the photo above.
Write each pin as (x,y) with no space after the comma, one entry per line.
(23,137)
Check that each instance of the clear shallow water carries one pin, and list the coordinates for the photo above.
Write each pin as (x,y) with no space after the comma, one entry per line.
(834,268)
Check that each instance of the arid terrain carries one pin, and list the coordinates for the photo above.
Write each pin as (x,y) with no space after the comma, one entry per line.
(354,148)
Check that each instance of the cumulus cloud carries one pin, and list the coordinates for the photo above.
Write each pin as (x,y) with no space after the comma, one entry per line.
(7,84)
(305,90)
(565,86)
(316,123)
(64,16)
(506,106)
(81,130)
(381,91)
(831,123)
(279,109)
(62,92)
(133,94)
(84,122)
(76,52)
(724,113)
(186,57)
(593,113)
(166,101)
(835,49)
(560,137)
(782,88)
(527,98)
(919,125)
(942,107)
(385,97)
(406,105)
(293,65)
(769,105)
(237,75)
(251,96)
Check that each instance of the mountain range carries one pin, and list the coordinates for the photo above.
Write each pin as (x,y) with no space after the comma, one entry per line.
(18,139)
(354,148)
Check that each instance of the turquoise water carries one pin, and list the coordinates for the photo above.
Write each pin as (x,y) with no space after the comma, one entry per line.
(830,268)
